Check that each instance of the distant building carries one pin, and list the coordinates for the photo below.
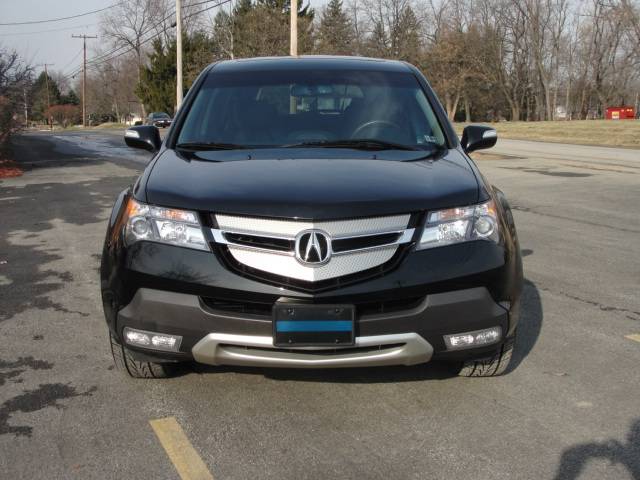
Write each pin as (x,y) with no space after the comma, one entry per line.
(620,113)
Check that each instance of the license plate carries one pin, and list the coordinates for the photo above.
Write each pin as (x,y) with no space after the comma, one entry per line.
(312,325)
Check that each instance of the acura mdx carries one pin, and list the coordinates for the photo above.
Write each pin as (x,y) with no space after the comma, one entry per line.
(311,212)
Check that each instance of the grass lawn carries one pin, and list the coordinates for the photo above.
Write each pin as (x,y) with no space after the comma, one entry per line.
(614,133)
(102,126)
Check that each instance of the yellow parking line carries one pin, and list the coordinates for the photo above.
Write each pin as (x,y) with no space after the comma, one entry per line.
(179,449)
(633,336)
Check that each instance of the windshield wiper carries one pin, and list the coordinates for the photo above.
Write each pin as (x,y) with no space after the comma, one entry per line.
(195,146)
(355,143)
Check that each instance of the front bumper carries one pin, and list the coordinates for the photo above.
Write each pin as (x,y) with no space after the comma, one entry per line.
(402,337)
(376,351)
(192,293)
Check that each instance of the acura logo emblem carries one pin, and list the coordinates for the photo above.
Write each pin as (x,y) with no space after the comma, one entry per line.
(313,247)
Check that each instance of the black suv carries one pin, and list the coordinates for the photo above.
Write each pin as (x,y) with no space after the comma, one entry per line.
(311,212)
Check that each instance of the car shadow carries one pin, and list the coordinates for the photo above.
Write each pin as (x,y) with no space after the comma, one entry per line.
(575,458)
(529,327)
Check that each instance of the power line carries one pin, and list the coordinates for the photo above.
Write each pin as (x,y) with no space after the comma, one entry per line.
(62,18)
(111,55)
(72,60)
(47,31)
(99,58)
(103,57)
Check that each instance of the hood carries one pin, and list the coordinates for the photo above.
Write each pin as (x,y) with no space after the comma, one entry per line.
(311,188)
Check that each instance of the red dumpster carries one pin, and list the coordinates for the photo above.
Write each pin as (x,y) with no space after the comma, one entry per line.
(620,113)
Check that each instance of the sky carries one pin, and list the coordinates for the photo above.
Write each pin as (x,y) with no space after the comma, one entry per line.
(51,42)
(55,47)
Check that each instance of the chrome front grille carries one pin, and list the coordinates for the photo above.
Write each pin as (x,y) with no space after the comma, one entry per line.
(354,245)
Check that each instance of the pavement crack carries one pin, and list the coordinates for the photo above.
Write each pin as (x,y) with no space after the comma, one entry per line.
(631,314)
(521,208)
(549,171)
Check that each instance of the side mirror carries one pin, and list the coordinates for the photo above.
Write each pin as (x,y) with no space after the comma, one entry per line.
(145,136)
(477,137)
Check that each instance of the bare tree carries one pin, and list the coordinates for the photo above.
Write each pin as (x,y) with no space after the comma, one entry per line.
(15,75)
(497,58)
(129,24)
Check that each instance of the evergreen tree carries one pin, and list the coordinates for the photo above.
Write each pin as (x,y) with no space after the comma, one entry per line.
(377,45)
(261,28)
(157,87)
(70,98)
(335,34)
(284,6)
(242,7)
(222,39)
(405,38)
(38,96)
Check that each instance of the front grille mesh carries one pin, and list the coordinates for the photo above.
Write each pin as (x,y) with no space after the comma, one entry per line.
(287,266)
(335,228)
(267,245)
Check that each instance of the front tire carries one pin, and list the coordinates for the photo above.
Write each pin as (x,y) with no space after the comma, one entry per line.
(492,366)
(125,362)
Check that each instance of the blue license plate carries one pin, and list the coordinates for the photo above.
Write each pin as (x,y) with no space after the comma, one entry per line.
(313,325)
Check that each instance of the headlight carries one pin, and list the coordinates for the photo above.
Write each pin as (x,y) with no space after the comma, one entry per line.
(462,224)
(164,225)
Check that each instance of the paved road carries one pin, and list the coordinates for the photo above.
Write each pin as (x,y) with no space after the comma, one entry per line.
(569,409)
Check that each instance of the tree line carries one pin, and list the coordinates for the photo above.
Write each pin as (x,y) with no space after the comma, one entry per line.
(26,98)
(487,59)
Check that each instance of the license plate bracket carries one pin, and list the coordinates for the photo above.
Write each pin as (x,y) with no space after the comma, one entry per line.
(301,324)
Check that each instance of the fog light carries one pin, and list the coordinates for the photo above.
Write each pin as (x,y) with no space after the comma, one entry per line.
(156,341)
(135,337)
(164,341)
(473,339)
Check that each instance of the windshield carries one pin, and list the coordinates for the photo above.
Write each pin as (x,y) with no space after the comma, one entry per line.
(289,108)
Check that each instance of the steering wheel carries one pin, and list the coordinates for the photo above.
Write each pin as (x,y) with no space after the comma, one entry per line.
(357,133)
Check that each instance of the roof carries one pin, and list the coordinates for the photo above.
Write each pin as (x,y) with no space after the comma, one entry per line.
(311,62)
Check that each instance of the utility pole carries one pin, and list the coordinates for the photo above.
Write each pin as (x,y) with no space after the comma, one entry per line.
(26,108)
(294,29)
(46,80)
(178,54)
(84,76)
(231,25)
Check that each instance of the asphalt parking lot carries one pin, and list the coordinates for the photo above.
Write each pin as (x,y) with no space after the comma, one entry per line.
(568,408)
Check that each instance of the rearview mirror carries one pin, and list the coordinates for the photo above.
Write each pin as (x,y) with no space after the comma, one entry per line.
(311,90)
(146,137)
(477,137)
